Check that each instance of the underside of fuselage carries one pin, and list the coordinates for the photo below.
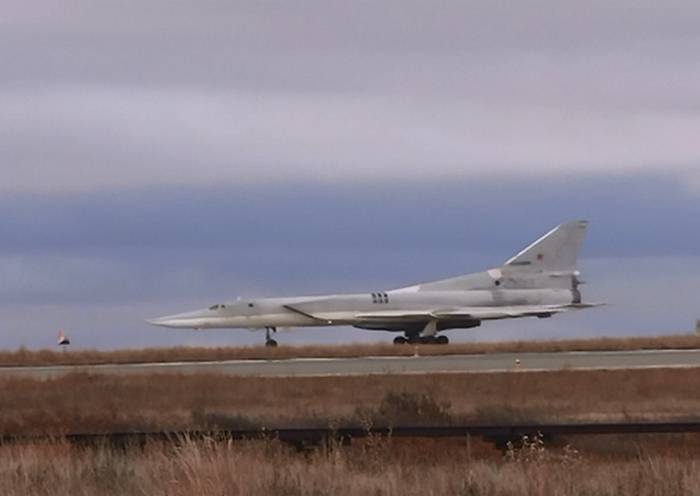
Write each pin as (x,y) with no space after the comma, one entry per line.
(414,329)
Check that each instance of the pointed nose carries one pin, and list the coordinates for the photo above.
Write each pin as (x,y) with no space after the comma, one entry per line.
(189,320)
(159,321)
(171,321)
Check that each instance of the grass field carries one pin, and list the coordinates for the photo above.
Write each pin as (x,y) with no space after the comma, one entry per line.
(663,466)
(105,403)
(598,465)
(25,357)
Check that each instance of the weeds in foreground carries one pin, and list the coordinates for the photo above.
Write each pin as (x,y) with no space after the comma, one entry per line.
(382,468)
(406,408)
(532,449)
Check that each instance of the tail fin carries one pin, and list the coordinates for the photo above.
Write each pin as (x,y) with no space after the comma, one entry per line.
(555,251)
(549,262)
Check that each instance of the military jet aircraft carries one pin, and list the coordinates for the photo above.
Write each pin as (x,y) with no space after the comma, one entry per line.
(540,281)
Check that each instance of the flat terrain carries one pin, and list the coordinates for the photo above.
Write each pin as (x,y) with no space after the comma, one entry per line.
(109,403)
(415,364)
(600,465)
(642,467)
(24,357)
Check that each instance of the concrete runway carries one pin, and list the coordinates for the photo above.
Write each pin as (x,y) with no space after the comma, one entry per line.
(310,367)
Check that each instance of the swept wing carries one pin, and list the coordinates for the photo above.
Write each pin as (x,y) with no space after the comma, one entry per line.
(475,313)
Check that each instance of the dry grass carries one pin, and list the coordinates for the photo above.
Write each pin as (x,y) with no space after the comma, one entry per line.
(105,403)
(25,357)
(599,465)
(380,468)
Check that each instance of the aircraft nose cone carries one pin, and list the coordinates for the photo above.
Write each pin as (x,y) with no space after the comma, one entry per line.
(174,321)
(162,321)
(189,320)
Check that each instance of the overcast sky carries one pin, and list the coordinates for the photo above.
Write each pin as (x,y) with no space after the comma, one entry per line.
(158,156)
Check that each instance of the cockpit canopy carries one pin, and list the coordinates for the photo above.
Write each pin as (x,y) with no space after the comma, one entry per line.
(238,304)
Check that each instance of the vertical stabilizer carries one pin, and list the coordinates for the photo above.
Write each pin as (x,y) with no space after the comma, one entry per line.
(555,251)
(548,263)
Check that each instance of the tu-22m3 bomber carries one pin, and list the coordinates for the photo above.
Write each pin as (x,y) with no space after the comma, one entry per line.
(540,281)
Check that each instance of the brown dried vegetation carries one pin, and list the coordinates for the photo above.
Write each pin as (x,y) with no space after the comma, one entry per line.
(600,465)
(376,467)
(106,403)
(25,357)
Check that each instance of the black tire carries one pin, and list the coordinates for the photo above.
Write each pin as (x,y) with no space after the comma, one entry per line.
(400,340)
(442,340)
(271,343)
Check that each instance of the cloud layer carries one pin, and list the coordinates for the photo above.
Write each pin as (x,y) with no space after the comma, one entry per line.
(160,155)
(120,95)
(99,264)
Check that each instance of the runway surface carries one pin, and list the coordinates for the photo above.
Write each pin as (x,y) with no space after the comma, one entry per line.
(501,362)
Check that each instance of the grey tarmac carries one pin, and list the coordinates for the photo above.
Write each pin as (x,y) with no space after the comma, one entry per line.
(318,367)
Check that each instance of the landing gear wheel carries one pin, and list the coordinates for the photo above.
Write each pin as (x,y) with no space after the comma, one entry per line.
(442,340)
(268,340)
(400,340)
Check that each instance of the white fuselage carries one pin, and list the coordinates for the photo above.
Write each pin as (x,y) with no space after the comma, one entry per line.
(539,281)
(349,309)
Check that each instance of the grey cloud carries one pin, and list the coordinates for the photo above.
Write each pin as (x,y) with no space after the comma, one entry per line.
(655,214)
(87,139)
(362,26)
(119,94)
(99,263)
(350,46)
(160,154)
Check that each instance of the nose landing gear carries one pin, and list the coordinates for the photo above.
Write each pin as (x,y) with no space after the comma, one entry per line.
(268,340)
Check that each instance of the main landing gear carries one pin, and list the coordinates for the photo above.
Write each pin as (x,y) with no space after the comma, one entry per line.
(268,340)
(421,340)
